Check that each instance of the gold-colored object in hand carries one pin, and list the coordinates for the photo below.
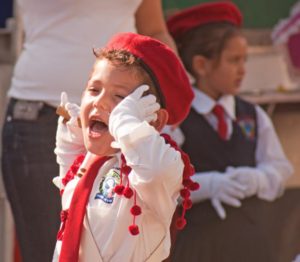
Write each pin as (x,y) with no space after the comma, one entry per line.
(62,111)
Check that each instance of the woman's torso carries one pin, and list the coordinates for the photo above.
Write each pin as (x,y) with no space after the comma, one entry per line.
(59,36)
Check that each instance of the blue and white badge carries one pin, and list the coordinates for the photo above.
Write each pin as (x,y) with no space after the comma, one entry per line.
(107,184)
(247,125)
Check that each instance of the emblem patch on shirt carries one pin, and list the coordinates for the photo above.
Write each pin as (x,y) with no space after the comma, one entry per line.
(247,126)
(106,187)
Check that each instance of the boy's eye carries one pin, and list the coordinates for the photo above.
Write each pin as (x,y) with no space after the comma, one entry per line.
(93,89)
(120,97)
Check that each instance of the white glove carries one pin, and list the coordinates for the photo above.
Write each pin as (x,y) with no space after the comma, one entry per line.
(69,137)
(132,111)
(72,133)
(247,176)
(220,188)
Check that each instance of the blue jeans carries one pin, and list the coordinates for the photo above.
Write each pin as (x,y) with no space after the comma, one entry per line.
(28,167)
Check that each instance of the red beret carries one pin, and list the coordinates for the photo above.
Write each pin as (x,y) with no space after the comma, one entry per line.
(202,14)
(167,69)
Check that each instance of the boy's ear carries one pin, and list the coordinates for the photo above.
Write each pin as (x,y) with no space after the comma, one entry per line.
(199,64)
(162,119)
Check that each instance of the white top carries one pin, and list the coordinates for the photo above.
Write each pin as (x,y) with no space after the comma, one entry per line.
(59,37)
(156,176)
(269,155)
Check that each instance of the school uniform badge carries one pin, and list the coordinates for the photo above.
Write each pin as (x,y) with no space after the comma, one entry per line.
(106,187)
(247,126)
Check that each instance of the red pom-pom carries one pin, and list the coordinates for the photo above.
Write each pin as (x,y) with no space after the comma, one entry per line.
(194,186)
(187,203)
(134,230)
(128,192)
(192,169)
(76,164)
(185,193)
(136,210)
(180,223)
(119,189)
(187,182)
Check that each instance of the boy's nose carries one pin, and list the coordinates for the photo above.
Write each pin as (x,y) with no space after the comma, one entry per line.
(102,102)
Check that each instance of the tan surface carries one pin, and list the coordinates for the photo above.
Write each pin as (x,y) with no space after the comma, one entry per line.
(286,118)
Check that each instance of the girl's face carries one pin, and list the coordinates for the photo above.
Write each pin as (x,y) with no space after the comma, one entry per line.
(226,75)
(107,86)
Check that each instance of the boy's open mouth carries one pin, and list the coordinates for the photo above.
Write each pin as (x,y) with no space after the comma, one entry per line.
(97,128)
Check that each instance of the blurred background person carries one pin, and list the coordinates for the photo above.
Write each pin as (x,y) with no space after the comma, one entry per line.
(232,143)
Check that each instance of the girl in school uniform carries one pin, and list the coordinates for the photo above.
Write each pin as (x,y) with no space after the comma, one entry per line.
(232,144)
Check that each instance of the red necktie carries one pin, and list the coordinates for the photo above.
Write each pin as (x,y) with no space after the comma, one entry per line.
(72,233)
(219,112)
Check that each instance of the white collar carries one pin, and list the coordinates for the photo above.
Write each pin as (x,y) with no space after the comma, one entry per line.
(203,104)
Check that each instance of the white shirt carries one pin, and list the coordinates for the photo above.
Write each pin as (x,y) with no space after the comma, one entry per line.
(59,37)
(156,176)
(269,155)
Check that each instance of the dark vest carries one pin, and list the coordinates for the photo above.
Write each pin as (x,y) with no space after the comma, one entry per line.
(209,152)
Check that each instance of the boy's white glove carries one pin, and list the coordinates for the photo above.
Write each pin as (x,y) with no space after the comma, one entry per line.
(69,137)
(219,188)
(251,178)
(132,111)
(69,132)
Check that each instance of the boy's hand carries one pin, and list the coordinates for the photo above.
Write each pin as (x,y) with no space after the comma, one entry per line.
(69,137)
(139,106)
(68,125)
(132,110)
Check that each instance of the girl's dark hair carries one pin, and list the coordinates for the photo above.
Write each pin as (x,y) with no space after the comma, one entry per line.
(207,40)
(126,60)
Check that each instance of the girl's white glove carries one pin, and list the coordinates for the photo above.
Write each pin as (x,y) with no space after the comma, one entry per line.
(133,110)
(251,178)
(219,188)
(69,137)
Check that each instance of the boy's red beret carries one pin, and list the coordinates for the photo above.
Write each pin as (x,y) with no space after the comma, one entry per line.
(202,14)
(166,68)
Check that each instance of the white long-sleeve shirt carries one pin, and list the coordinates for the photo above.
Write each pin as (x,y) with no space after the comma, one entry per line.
(156,176)
(270,158)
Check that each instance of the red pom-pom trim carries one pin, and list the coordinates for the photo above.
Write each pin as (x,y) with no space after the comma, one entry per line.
(187,182)
(73,169)
(136,210)
(180,223)
(134,230)
(128,192)
(187,203)
(119,189)
(194,186)
(185,193)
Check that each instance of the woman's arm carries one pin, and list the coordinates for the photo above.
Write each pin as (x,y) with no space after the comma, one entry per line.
(150,21)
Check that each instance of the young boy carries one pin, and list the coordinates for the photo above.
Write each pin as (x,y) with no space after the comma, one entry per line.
(121,207)
(231,143)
